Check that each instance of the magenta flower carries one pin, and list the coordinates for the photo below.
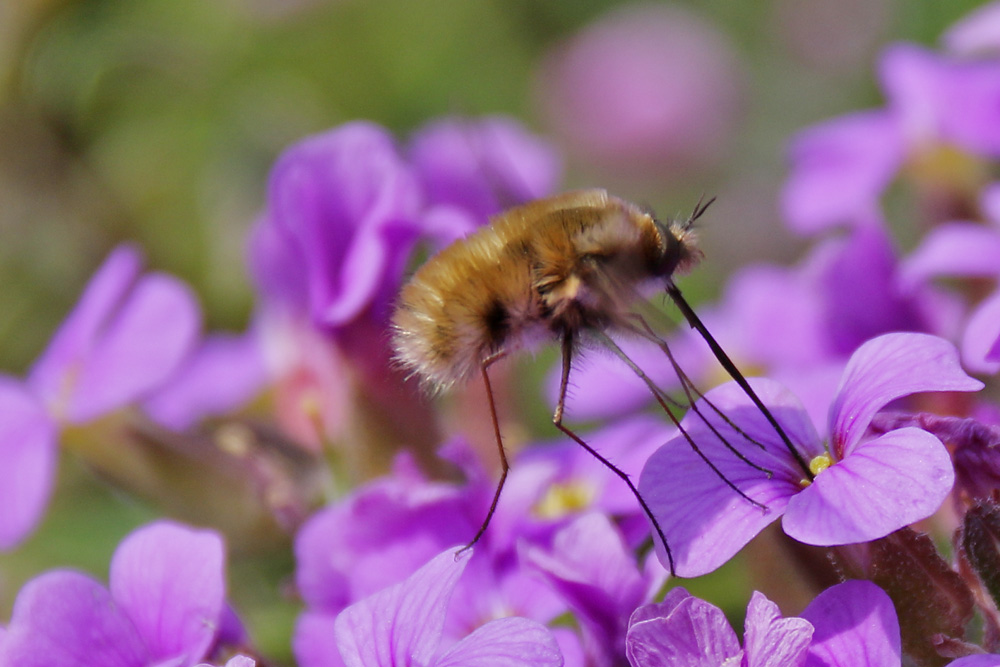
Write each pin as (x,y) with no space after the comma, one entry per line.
(848,625)
(165,606)
(646,86)
(482,166)
(977,33)
(341,218)
(863,488)
(841,167)
(403,625)
(126,336)
(222,374)
(966,250)
(591,567)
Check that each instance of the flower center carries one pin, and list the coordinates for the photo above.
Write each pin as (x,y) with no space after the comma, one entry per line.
(563,499)
(817,465)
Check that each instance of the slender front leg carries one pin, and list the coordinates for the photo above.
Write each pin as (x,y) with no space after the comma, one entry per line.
(557,419)
(504,465)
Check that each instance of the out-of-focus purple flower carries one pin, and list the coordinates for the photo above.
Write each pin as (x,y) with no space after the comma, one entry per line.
(976,34)
(991,660)
(236,661)
(648,86)
(224,372)
(861,488)
(342,214)
(590,566)
(165,606)
(965,250)
(482,166)
(387,529)
(841,167)
(403,625)
(850,624)
(126,336)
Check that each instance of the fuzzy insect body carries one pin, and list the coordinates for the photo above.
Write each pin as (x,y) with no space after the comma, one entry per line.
(564,265)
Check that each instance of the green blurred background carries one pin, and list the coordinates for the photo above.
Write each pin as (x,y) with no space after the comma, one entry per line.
(157,121)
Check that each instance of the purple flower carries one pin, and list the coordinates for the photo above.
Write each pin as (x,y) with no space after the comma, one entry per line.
(482,166)
(126,336)
(843,293)
(591,567)
(341,217)
(224,373)
(862,488)
(991,660)
(165,605)
(841,167)
(648,86)
(848,625)
(977,33)
(403,625)
(965,250)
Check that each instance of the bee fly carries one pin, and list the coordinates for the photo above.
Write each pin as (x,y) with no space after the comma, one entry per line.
(570,268)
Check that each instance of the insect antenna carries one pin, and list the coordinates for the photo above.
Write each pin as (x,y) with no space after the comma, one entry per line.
(735,373)
(663,400)
(557,419)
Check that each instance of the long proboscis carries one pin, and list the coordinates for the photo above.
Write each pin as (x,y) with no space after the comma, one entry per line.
(734,372)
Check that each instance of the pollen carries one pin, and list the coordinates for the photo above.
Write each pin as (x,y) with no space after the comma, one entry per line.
(817,465)
(563,499)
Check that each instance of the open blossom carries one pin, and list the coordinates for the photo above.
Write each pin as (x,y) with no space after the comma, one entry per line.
(843,293)
(645,86)
(841,167)
(403,625)
(165,605)
(862,488)
(848,625)
(481,166)
(590,566)
(124,339)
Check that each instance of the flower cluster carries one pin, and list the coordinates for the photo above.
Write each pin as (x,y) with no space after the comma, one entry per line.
(865,425)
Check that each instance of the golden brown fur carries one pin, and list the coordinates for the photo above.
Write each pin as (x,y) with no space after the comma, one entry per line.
(566,263)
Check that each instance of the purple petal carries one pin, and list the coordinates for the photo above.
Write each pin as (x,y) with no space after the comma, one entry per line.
(377,537)
(840,168)
(855,625)
(887,368)
(505,642)
(222,375)
(773,641)
(402,624)
(27,461)
(170,581)
(334,196)
(957,249)
(140,347)
(685,633)
(991,660)
(591,568)
(79,332)
(705,521)
(978,32)
(236,661)
(981,337)
(66,619)
(313,642)
(483,165)
(886,483)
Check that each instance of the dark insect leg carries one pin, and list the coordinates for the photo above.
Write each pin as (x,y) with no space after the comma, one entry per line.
(657,392)
(504,465)
(734,373)
(557,419)
(691,390)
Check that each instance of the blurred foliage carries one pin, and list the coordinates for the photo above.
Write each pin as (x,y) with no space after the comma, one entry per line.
(157,121)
